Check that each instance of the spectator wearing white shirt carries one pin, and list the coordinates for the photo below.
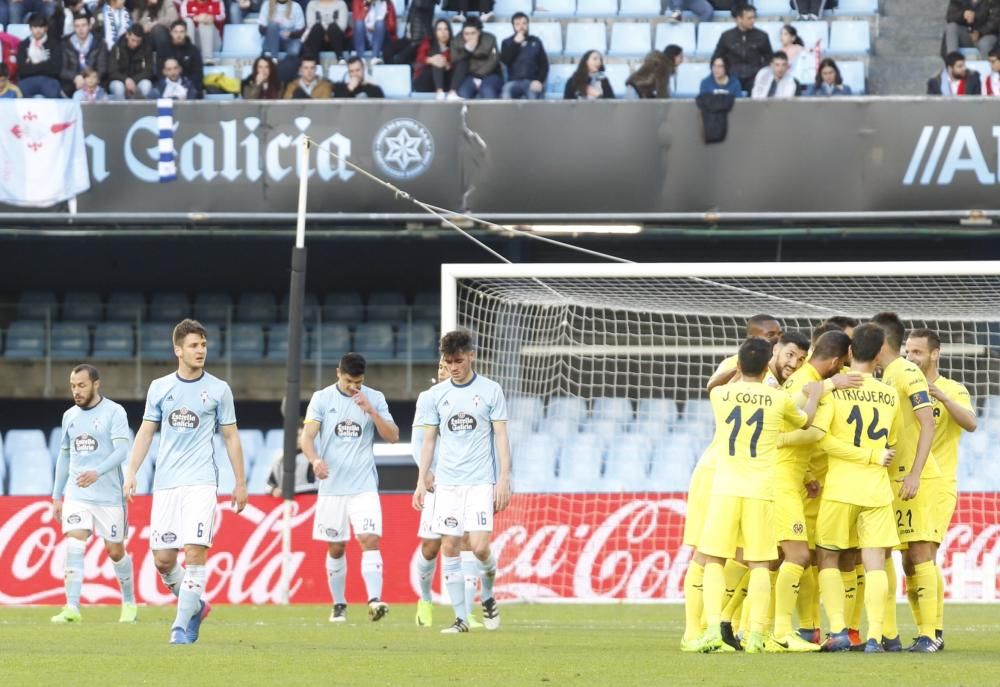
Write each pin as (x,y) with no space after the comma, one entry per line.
(282,24)
(174,85)
(775,81)
(991,83)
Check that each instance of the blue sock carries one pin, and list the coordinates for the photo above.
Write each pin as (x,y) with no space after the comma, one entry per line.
(123,571)
(189,599)
(74,571)
(488,573)
(454,582)
(425,573)
(371,571)
(470,569)
(336,577)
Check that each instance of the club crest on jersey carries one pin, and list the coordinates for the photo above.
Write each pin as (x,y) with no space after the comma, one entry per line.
(97,424)
(476,400)
(73,519)
(462,422)
(183,420)
(451,522)
(331,532)
(348,429)
(204,397)
(168,538)
(85,444)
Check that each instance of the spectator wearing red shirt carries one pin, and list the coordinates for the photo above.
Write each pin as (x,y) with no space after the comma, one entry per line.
(205,19)
(432,70)
(955,79)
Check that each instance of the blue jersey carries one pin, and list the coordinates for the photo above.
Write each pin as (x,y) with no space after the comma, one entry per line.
(419,430)
(346,435)
(464,416)
(89,435)
(188,413)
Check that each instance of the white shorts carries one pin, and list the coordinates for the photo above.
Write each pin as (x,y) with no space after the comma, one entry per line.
(463,508)
(107,522)
(426,530)
(181,516)
(335,516)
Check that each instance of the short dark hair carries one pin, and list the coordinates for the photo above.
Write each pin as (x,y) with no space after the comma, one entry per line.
(354,60)
(798,339)
(178,22)
(867,342)
(673,50)
(893,326)
(953,58)
(38,19)
(830,345)
(82,14)
(780,55)
(89,369)
(933,340)
(742,8)
(760,319)
(995,52)
(352,364)
(458,341)
(473,23)
(843,321)
(822,329)
(187,326)
(137,30)
(725,62)
(754,356)
(519,15)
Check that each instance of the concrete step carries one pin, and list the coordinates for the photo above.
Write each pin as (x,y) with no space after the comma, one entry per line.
(901,75)
(931,9)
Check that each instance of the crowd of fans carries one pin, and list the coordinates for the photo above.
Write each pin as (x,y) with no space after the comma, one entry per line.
(972,26)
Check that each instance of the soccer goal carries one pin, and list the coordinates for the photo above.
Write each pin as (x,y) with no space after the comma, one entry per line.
(605,365)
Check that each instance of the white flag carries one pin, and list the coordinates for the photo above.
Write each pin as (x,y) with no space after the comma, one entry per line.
(43,159)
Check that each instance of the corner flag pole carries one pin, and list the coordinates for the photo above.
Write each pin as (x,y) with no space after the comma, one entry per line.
(296,297)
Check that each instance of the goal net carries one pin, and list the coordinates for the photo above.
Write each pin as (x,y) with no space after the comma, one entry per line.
(604,368)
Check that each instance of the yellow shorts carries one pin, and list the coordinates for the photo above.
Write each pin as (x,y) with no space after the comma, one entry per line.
(699,494)
(811,509)
(789,516)
(843,526)
(944,509)
(916,519)
(734,521)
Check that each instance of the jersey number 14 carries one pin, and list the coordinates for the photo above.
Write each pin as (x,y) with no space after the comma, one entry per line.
(874,431)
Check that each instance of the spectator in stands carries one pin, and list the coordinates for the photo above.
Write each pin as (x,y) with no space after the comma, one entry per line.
(809,9)
(156,16)
(188,57)
(748,49)
(305,478)
(719,80)
(82,50)
(374,24)
(61,21)
(326,28)
(355,85)
(7,89)
(131,66)
(791,42)
(282,24)
(971,24)
(700,8)
(91,92)
(239,9)
(475,63)
(588,81)
(432,70)
(262,81)
(4,14)
(991,84)
(651,79)
(526,60)
(308,85)
(205,19)
(828,81)
(775,81)
(464,7)
(39,61)
(420,19)
(114,21)
(955,79)
(22,10)
(675,54)
(174,84)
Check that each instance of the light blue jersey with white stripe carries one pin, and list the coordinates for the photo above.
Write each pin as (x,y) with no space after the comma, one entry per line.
(88,434)
(189,413)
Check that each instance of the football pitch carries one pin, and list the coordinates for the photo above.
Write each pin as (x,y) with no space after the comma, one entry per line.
(537,645)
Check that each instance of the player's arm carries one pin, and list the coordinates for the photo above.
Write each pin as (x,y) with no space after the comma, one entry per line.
(234,448)
(380,416)
(800,437)
(502,495)
(720,377)
(59,484)
(423,471)
(309,431)
(911,482)
(962,413)
(813,391)
(140,447)
(114,459)
(835,447)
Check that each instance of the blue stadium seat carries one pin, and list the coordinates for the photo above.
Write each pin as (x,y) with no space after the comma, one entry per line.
(395,79)
(527,408)
(169,307)
(82,306)
(213,307)
(126,306)
(617,73)
(241,41)
(629,39)
(245,341)
(18,441)
(256,307)
(627,467)
(374,340)
(560,427)
(507,8)
(773,31)
(850,38)
(555,9)
(584,36)
(618,410)
(427,305)
(682,34)
(113,341)
(812,31)
(518,430)
(550,33)
(500,30)
(20,31)
(70,341)
(386,306)
(773,8)
(697,418)
(857,8)
(708,36)
(689,78)
(277,344)
(580,464)
(534,462)
(310,310)
(155,341)
(252,441)
(337,73)
(259,470)
(35,305)
(420,340)
(220,96)
(655,416)
(55,439)
(25,340)
(673,462)
(568,407)
(853,74)
(559,74)
(640,8)
(30,473)
(330,342)
(343,307)
(227,480)
(597,8)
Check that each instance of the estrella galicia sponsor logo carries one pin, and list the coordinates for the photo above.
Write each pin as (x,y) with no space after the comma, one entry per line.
(403,148)
(348,429)
(74,519)
(462,422)
(939,156)
(85,444)
(451,522)
(183,420)
(168,538)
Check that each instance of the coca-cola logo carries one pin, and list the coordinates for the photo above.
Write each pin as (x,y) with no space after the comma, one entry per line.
(348,429)
(462,422)
(183,420)
(85,444)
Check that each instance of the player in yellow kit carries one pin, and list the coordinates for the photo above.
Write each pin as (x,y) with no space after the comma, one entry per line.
(856,512)
(915,479)
(953,414)
(748,418)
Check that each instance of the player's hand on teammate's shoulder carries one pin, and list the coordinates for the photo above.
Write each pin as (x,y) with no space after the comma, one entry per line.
(814,389)
(851,380)
(240,497)
(85,479)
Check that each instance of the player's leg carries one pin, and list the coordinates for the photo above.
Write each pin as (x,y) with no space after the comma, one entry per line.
(834,524)
(470,568)
(876,536)
(110,524)
(365,513)
(478,517)
(917,529)
(808,601)
(699,493)
(944,509)
(717,543)
(197,523)
(430,545)
(849,576)
(890,627)
(165,526)
(760,549)
(786,591)
(77,525)
(332,526)
(854,619)
(449,509)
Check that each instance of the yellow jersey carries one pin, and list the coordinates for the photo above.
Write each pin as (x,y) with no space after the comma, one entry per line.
(792,461)
(911,385)
(748,418)
(868,420)
(947,432)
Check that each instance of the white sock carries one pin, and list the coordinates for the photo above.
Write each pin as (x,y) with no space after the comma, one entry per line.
(470,569)
(123,571)
(425,573)
(336,576)
(488,573)
(371,571)
(74,571)
(454,582)
(174,578)
(189,599)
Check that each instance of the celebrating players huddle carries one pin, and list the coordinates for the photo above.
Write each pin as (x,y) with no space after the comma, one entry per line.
(464,479)
(825,464)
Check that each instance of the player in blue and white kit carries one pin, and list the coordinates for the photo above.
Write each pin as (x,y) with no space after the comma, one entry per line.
(186,406)
(92,449)
(470,413)
(346,416)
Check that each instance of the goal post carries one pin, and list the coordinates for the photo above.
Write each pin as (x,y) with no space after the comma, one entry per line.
(604,367)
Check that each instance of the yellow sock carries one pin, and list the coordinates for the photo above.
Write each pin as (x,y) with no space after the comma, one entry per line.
(734,572)
(831,590)
(744,621)
(890,628)
(714,590)
(854,619)
(772,580)
(911,598)
(808,593)
(735,602)
(694,600)
(940,601)
(876,597)
(850,581)
(927,596)
(758,598)
(786,592)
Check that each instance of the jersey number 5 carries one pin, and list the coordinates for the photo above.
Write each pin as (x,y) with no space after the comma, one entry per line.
(874,432)
(736,417)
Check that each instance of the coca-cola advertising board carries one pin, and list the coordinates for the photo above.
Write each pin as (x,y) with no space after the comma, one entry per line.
(588,547)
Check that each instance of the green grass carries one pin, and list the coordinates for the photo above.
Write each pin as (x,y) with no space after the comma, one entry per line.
(538,645)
